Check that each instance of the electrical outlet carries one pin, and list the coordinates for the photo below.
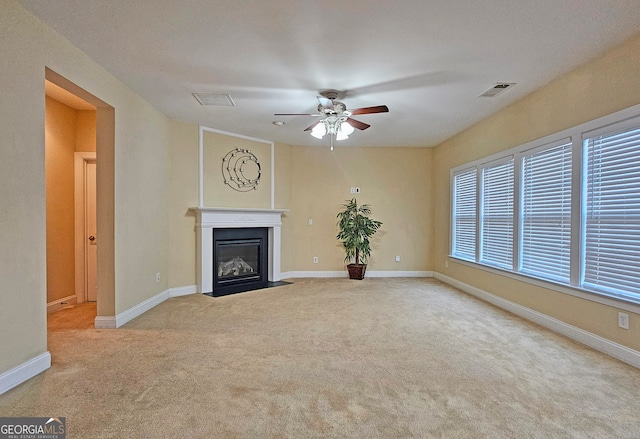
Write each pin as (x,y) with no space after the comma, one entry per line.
(310,221)
(315,259)
(446,264)
(623,320)
(352,190)
(397,258)
(157,277)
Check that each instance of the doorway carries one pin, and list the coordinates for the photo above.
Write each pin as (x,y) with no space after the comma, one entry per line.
(93,276)
(86,235)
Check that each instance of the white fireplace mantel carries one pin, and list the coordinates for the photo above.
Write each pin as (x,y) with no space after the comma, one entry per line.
(209,218)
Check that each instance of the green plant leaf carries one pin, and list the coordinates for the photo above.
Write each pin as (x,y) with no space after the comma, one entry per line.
(356,227)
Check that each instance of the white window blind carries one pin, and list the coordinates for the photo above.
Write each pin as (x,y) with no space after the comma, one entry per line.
(546,213)
(612,213)
(464,214)
(497,215)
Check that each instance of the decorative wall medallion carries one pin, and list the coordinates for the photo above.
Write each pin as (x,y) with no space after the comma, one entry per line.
(241,170)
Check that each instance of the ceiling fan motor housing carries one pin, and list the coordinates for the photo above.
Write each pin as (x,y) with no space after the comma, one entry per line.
(338,107)
(330,94)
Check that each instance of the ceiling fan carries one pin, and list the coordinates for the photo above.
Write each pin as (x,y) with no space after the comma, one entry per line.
(336,119)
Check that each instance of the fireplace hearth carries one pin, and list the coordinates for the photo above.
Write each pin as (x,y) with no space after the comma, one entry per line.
(240,260)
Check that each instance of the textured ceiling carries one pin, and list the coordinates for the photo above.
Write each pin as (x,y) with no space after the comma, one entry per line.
(427,60)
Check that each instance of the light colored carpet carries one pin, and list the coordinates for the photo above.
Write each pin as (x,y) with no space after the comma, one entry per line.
(330,358)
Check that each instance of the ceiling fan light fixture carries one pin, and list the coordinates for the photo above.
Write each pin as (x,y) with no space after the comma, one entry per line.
(333,126)
(319,130)
(335,118)
(346,128)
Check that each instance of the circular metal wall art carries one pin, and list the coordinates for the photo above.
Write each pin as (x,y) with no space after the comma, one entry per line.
(241,170)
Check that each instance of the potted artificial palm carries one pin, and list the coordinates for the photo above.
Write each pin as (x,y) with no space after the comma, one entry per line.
(356,227)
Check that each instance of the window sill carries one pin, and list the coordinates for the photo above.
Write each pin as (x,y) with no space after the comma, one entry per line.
(598,297)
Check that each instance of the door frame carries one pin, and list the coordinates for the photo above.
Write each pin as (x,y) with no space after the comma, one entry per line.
(80,160)
(105,199)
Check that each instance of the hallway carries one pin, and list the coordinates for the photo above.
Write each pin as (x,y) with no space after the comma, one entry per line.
(74,317)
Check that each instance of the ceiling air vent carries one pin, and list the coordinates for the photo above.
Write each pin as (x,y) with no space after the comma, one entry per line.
(218,100)
(497,89)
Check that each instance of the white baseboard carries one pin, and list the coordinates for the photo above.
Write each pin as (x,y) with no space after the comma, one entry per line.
(104,322)
(302,274)
(108,322)
(343,273)
(616,350)
(60,303)
(399,274)
(24,371)
(183,291)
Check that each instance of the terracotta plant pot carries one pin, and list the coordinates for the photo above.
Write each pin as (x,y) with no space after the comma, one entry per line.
(356,271)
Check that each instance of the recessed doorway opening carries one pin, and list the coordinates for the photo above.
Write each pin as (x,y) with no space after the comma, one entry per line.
(79,170)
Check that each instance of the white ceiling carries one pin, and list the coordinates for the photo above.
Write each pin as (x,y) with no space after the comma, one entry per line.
(428,60)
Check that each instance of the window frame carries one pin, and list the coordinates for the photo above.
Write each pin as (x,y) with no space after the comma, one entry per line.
(453,235)
(481,214)
(611,130)
(628,118)
(518,267)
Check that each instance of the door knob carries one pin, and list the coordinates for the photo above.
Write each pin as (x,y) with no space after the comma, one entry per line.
(92,238)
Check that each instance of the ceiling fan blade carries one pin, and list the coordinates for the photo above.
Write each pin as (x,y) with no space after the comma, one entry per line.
(371,110)
(325,102)
(311,127)
(357,124)
(297,114)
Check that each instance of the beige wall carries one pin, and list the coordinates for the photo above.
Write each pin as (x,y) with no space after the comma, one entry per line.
(600,87)
(282,181)
(183,194)
(141,202)
(216,193)
(283,187)
(85,130)
(312,183)
(60,142)
(395,182)
(141,183)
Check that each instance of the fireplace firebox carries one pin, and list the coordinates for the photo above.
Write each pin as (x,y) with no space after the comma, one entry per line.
(239,260)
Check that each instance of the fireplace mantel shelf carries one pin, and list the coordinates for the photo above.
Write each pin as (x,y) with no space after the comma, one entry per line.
(209,218)
(218,217)
(238,209)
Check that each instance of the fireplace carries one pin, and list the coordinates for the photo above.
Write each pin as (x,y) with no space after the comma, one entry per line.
(212,219)
(240,261)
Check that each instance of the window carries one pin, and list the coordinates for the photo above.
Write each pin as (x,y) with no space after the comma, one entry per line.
(612,212)
(496,244)
(464,214)
(564,209)
(546,213)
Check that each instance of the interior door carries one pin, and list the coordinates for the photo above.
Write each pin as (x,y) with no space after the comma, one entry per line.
(91,252)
